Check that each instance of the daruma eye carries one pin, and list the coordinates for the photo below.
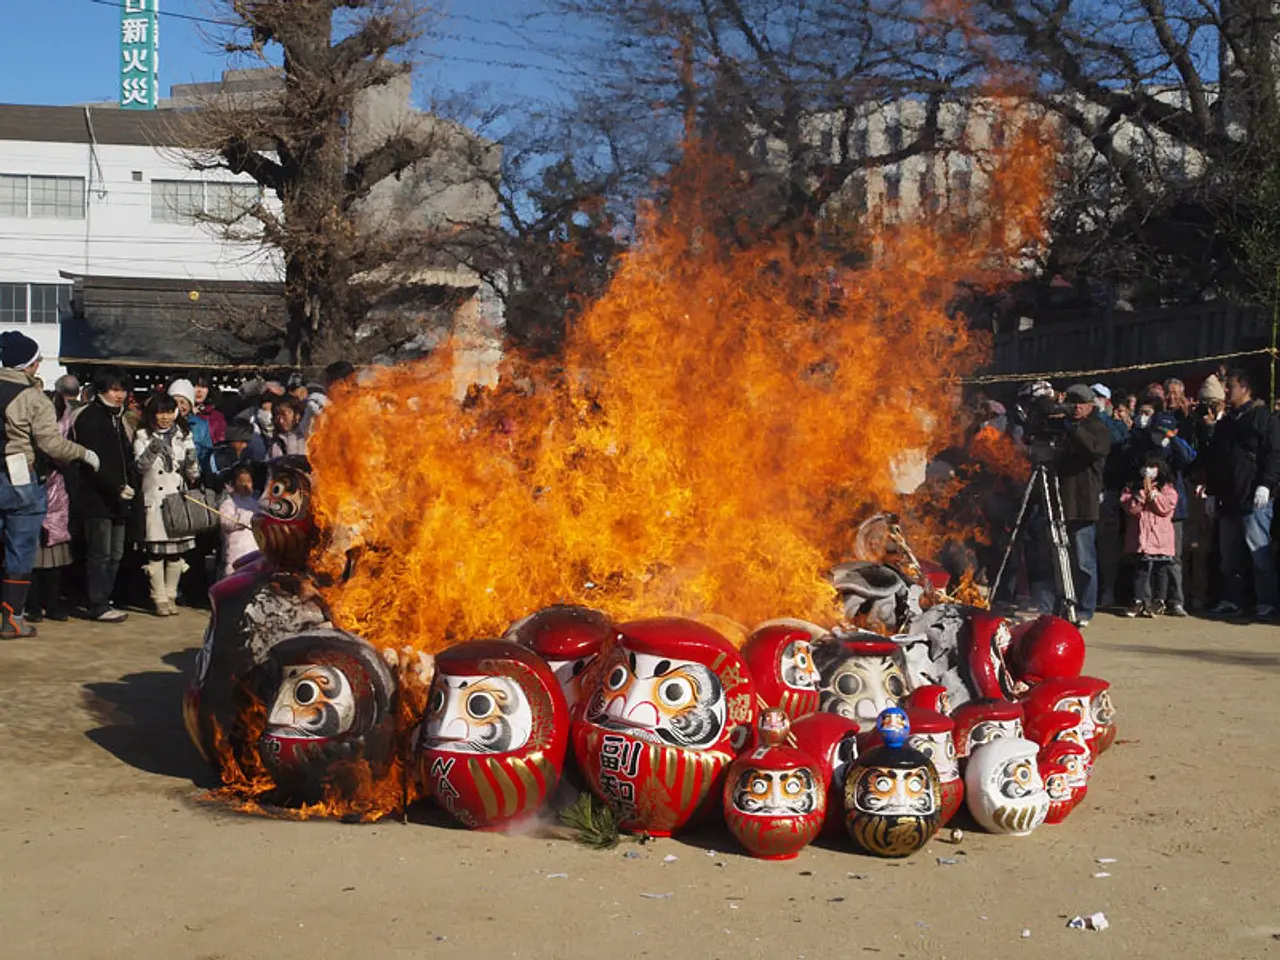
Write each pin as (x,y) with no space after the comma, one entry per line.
(895,685)
(675,693)
(882,784)
(849,684)
(617,678)
(479,705)
(759,786)
(794,786)
(437,700)
(306,692)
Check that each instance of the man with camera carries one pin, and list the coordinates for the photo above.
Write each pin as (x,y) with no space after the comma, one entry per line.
(1081,453)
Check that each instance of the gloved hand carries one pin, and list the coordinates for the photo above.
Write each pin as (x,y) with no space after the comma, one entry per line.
(156,445)
(1261,497)
(1210,506)
(92,460)
(127,493)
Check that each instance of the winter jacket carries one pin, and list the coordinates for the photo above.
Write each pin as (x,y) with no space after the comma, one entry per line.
(237,538)
(317,401)
(57,519)
(1178,454)
(203,440)
(30,423)
(1115,473)
(1081,457)
(1153,534)
(166,467)
(1243,455)
(216,422)
(97,495)
(287,444)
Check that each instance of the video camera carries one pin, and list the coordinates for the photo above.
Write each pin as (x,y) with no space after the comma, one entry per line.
(1045,423)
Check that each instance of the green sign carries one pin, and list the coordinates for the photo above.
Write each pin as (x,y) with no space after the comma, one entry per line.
(139,54)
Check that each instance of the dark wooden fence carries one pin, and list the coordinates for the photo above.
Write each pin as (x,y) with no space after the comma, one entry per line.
(1117,339)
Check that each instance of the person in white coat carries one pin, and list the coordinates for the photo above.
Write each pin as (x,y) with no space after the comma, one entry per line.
(167,463)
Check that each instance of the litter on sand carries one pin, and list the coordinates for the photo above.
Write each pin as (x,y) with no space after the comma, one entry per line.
(557,876)
(1095,921)
(947,861)
(1026,933)
(1107,860)
(657,896)
(1099,876)
(670,858)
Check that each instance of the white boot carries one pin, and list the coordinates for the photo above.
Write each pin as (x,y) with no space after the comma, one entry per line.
(173,571)
(155,576)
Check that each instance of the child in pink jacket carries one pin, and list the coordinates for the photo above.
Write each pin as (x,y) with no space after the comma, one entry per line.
(1149,536)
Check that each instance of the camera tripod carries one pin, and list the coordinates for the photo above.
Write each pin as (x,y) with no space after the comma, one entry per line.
(1044,482)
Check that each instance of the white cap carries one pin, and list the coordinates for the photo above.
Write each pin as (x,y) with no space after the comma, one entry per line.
(1101,391)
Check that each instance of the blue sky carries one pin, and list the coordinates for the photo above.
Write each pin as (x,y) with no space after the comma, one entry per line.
(67,51)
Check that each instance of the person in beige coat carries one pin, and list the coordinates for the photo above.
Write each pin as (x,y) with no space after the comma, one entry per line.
(167,462)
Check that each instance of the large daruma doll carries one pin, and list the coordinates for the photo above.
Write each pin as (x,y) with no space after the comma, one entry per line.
(668,704)
(492,743)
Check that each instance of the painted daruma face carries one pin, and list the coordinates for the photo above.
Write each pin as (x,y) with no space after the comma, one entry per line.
(894,792)
(284,527)
(780,655)
(860,679)
(475,714)
(940,748)
(773,793)
(314,700)
(798,671)
(659,699)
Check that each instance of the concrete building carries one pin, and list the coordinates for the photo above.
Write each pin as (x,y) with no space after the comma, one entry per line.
(105,201)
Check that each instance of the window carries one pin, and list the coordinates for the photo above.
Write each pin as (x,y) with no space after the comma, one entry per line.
(176,200)
(230,201)
(13,303)
(13,195)
(180,201)
(47,299)
(57,198)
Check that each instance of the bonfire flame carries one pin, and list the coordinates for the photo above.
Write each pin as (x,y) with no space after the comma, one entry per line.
(717,424)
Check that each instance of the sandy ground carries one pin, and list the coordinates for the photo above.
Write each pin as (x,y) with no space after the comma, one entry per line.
(106,852)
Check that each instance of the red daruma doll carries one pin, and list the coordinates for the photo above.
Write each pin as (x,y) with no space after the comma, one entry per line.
(780,655)
(667,706)
(774,796)
(491,746)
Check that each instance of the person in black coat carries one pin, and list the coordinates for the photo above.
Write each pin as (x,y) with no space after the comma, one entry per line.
(103,500)
(1082,454)
(1242,471)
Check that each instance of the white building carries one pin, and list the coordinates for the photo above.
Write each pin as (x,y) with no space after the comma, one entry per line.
(98,191)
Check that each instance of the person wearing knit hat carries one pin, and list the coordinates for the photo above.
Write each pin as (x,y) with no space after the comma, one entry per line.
(184,394)
(29,426)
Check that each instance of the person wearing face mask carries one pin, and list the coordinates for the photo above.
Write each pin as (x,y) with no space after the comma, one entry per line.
(1242,473)
(103,498)
(167,461)
(1150,502)
(1162,442)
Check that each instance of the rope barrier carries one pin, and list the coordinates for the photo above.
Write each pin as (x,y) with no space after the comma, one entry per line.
(1072,374)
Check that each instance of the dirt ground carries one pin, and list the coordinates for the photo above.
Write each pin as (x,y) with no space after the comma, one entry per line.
(105,850)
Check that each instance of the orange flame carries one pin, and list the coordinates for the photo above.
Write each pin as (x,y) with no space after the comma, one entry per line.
(719,421)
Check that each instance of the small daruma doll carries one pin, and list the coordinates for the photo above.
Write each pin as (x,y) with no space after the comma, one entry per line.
(1069,695)
(330,716)
(774,796)
(1003,787)
(1104,718)
(567,637)
(780,655)
(285,529)
(1061,799)
(492,743)
(667,706)
(932,734)
(981,721)
(892,796)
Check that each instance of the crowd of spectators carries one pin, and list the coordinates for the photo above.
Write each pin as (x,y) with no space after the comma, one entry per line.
(1168,497)
(89,467)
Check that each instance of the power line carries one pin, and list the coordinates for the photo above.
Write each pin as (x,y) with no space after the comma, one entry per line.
(170,13)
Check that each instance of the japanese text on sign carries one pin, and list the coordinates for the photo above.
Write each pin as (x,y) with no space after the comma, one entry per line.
(139,54)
